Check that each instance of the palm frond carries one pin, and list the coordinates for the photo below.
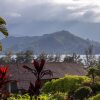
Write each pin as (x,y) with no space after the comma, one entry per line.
(2,21)
(0,46)
(3,30)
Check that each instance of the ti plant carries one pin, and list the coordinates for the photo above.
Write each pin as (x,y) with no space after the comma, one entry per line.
(39,72)
(3,80)
(3,29)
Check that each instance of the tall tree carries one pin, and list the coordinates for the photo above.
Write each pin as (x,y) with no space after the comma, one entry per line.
(29,56)
(50,58)
(42,55)
(92,73)
(90,57)
(24,57)
(57,58)
(73,59)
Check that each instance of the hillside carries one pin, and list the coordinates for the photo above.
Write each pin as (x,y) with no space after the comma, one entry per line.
(58,42)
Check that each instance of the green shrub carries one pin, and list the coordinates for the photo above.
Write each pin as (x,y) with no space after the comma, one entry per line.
(95,88)
(26,97)
(57,96)
(97,97)
(15,97)
(70,93)
(83,92)
(19,97)
(64,84)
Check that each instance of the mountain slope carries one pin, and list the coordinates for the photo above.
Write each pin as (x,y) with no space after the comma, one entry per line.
(58,42)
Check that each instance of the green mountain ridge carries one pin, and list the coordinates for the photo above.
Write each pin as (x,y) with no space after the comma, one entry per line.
(57,42)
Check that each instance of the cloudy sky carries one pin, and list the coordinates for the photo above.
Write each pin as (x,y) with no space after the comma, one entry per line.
(37,17)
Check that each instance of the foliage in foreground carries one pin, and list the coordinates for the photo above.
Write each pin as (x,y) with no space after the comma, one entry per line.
(65,84)
(4,79)
(97,97)
(83,92)
(95,87)
(56,96)
(39,72)
(19,97)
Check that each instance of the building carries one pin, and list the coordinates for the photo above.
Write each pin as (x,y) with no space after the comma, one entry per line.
(22,77)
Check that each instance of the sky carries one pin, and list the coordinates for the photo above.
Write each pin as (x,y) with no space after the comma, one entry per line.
(37,17)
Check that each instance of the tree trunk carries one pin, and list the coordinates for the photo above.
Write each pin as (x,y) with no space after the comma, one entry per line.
(93,78)
(30,97)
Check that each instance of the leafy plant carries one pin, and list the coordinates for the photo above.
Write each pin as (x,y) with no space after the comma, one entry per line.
(2,27)
(25,97)
(82,92)
(92,73)
(39,72)
(57,96)
(95,88)
(15,97)
(65,84)
(3,79)
(97,97)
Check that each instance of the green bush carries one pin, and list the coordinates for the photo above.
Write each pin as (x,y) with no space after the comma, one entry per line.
(26,97)
(19,97)
(64,84)
(57,96)
(70,93)
(95,88)
(15,97)
(97,97)
(82,92)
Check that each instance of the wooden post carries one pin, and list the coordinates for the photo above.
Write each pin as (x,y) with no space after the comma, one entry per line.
(9,87)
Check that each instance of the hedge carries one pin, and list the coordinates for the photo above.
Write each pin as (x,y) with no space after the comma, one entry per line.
(65,84)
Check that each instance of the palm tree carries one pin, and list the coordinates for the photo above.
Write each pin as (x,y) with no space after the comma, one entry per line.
(3,29)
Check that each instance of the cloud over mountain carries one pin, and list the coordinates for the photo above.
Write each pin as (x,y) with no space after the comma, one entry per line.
(27,17)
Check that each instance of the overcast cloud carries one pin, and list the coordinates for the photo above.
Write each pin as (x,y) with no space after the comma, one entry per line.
(37,17)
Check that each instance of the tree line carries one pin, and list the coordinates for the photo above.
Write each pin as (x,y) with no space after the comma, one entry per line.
(28,55)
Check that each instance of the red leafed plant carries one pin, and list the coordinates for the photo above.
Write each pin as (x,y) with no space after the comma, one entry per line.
(39,72)
(3,78)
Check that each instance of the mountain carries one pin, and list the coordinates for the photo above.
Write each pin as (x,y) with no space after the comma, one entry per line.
(57,42)
(84,29)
